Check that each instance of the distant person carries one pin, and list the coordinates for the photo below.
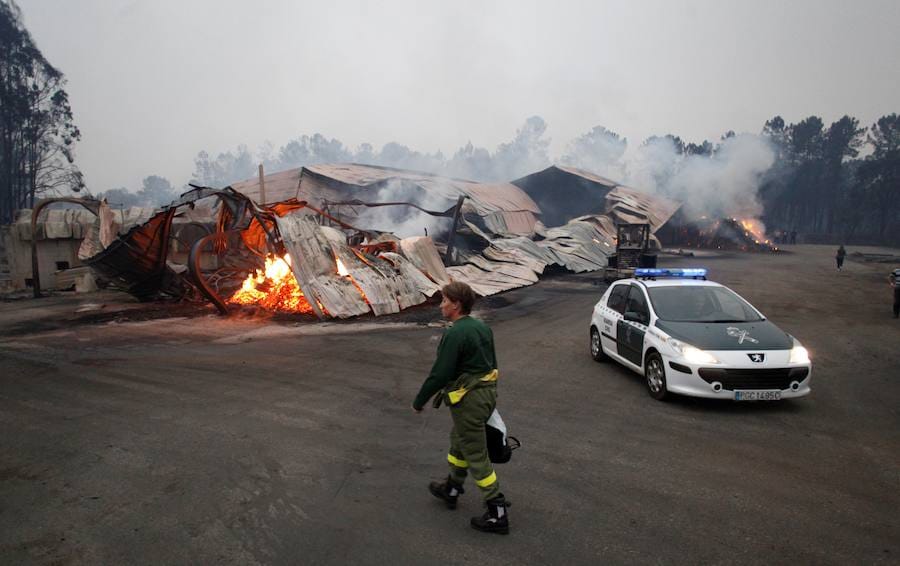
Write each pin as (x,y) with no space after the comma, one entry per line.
(464,377)
(895,283)
(793,236)
(839,257)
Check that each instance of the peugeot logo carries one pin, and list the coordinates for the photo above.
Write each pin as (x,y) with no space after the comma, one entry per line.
(740,334)
(757,358)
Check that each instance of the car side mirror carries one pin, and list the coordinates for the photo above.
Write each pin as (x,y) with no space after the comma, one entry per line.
(632,316)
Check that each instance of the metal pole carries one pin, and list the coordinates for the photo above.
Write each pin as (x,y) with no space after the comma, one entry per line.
(262,186)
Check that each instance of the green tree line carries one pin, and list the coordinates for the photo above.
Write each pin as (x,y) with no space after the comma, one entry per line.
(822,185)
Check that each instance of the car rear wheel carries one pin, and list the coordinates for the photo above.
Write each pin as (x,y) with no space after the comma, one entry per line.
(655,374)
(596,347)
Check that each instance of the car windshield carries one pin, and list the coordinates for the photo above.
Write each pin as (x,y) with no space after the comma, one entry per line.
(700,303)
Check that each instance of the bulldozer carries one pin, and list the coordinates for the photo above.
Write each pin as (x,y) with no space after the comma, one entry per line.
(633,250)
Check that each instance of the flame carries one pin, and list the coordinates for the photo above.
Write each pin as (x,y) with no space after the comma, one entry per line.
(747,234)
(342,271)
(273,287)
(753,228)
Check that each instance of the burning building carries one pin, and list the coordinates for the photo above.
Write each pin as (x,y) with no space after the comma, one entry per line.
(340,240)
(566,192)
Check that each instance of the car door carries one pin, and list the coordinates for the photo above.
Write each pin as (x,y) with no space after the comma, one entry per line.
(630,333)
(612,314)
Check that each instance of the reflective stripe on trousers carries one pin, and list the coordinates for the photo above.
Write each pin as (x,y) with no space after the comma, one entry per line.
(468,443)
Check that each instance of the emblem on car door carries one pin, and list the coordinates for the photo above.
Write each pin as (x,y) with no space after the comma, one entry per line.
(757,358)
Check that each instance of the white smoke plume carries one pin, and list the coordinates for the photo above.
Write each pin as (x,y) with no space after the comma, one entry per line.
(653,165)
(710,182)
(600,151)
(405,221)
(725,183)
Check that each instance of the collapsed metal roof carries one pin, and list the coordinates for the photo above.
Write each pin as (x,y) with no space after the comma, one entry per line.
(495,241)
(564,193)
(503,207)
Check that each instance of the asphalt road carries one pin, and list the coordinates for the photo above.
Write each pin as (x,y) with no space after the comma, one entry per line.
(200,440)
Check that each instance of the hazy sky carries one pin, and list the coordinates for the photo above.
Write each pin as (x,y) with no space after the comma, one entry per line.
(152,82)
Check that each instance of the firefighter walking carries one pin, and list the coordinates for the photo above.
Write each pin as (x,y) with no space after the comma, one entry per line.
(464,376)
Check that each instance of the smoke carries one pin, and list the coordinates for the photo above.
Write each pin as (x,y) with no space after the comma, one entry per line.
(405,221)
(600,151)
(525,153)
(725,183)
(714,182)
(653,165)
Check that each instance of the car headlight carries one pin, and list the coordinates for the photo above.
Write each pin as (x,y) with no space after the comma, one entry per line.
(799,354)
(691,354)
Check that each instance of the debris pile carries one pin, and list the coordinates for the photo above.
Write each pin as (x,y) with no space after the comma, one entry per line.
(747,234)
(341,240)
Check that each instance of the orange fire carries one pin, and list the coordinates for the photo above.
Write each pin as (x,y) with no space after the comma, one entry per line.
(753,228)
(343,272)
(273,287)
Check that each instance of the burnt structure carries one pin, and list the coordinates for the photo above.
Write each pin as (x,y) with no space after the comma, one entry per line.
(326,232)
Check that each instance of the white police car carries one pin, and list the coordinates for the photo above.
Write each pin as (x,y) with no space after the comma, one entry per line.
(695,337)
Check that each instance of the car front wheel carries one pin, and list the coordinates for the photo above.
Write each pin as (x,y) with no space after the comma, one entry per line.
(655,374)
(596,347)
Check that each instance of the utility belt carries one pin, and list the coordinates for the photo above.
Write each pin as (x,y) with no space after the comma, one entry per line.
(454,393)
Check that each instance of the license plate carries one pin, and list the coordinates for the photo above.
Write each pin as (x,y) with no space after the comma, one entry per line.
(758,395)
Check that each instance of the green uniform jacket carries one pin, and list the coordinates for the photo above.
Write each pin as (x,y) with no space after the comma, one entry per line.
(467,347)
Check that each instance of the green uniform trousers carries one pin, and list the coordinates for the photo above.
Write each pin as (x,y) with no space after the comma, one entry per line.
(468,443)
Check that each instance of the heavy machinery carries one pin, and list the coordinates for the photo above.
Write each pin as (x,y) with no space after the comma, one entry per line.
(633,250)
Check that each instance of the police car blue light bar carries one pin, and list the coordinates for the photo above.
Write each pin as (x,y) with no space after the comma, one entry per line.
(654,272)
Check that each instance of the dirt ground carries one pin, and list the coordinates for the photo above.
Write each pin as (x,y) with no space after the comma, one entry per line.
(149,434)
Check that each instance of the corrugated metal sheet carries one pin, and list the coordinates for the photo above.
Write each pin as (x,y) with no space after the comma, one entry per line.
(421,252)
(583,173)
(315,269)
(564,192)
(518,223)
(383,285)
(280,186)
(633,206)
(511,210)
(501,196)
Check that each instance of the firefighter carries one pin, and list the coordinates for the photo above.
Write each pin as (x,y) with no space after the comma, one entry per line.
(464,376)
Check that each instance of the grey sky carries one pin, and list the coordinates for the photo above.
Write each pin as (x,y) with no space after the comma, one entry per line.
(152,82)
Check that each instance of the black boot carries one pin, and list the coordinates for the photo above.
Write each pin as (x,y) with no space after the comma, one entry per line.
(447,490)
(496,519)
